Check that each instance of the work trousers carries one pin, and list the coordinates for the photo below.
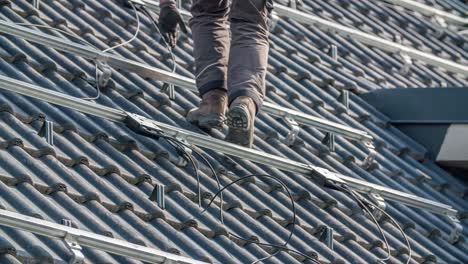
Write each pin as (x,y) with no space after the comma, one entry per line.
(238,62)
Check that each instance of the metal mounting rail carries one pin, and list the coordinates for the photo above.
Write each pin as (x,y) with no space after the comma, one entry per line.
(347,32)
(429,11)
(369,39)
(145,70)
(89,239)
(320,175)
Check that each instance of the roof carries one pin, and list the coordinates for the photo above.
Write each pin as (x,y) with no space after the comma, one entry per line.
(99,174)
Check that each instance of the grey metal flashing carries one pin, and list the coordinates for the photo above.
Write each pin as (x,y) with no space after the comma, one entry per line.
(315,173)
(421,106)
(88,239)
(429,11)
(347,32)
(145,70)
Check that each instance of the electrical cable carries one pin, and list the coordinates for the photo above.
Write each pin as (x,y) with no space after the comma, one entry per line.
(281,247)
(395,223)
(134,36)
(180,147)
(361,202)
(97,86)
(155,25)
(217,181)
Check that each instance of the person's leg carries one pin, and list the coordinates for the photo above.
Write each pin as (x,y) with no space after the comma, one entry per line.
(211,50)
(247,66)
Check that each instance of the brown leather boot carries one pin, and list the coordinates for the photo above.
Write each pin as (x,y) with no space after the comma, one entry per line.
(210,113)
(241,119)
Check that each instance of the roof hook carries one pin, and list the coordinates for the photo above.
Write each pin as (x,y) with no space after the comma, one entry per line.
(36,3)
(72,243)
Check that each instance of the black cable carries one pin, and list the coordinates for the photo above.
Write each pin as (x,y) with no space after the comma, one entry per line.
(362,203)
(217,181)
(395,223)
(181,149)
(282,247)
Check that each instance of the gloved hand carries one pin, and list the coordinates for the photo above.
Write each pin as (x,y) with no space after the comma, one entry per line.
(169,18)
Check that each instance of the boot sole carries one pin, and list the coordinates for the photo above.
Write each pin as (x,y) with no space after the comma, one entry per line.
(238,121)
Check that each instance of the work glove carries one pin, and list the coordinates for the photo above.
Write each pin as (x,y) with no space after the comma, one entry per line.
(169,18)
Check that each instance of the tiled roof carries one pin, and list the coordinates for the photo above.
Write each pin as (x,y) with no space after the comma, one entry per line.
(99,174)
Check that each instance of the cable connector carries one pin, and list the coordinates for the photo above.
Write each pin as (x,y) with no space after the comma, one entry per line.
(142,125)
(326,178)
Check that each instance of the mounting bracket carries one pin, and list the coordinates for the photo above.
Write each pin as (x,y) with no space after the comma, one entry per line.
(327,237)
(47,131)
(367,162)
(75,248)
(334,52)
(104,72)
(168,89)
(379,201)
(36,3)
(344,98)
(329,140)
(440,30)
(294,3)
(294,132)
(407,63)
(457,230)
(158,195)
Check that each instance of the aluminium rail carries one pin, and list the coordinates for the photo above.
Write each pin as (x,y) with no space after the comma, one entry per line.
(89,239)
(145,70)
(429,11)
(317,174)
(347,32)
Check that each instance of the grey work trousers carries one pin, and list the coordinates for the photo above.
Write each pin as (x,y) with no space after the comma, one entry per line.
(236,63)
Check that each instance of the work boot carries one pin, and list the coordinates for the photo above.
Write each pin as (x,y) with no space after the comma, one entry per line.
(240,120)
(210,113)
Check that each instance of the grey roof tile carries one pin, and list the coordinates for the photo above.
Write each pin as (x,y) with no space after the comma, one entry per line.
(99,174)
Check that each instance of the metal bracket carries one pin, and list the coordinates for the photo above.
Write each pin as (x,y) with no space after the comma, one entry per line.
(168,89)
(158,195)
(294,3)
(367,162)
(47,131)
(294,133)
(407,63)
(327,237)
(104,73)
(344,98)
(440,31)
(456,231)
(36,3)
(334,52)
(379,201)
(329,139)
(75,248)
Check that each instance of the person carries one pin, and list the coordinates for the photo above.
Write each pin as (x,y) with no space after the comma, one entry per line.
(230,69)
